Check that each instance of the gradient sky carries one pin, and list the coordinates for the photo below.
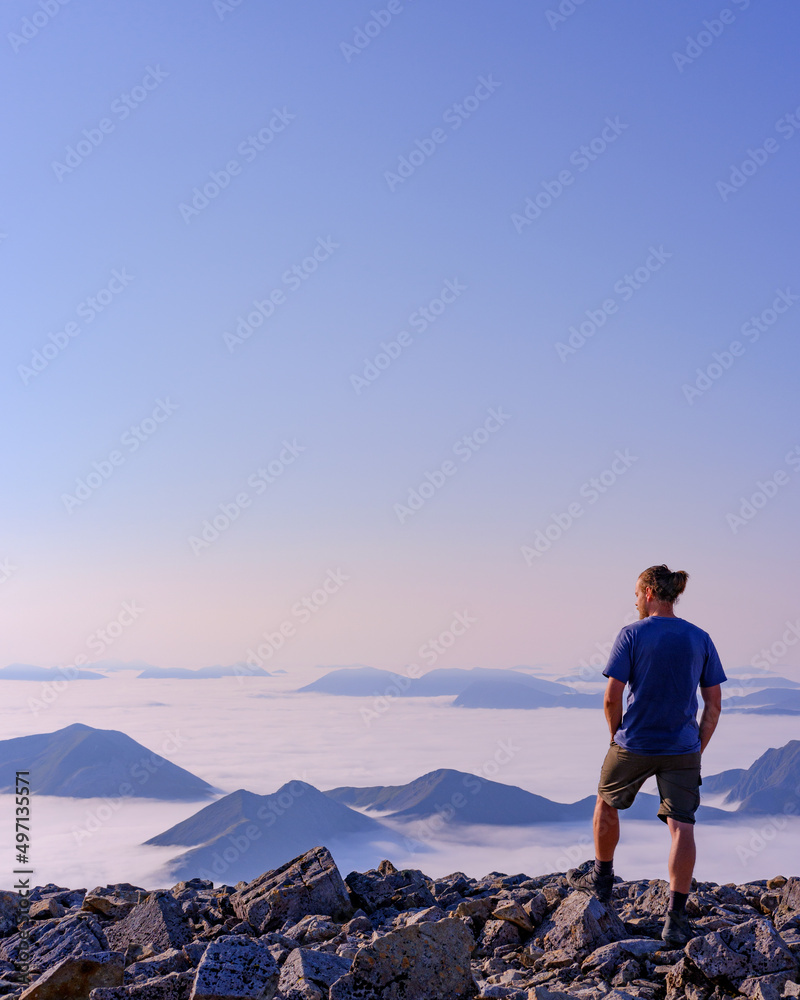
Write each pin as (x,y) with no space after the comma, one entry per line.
(660,188)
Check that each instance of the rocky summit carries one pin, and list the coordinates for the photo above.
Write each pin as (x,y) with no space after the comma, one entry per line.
(302,932)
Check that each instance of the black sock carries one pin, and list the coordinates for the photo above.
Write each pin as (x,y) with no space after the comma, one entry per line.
(604,867)
(677,900)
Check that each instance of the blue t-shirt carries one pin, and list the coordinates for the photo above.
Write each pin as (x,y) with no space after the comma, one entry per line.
(663,661)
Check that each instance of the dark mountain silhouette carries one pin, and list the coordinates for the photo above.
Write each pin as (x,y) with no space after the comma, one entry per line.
(83,762)
(243,834)
(770,785)
(29,672)
(463,798)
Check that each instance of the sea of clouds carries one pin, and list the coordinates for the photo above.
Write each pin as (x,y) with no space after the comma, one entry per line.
(257,733)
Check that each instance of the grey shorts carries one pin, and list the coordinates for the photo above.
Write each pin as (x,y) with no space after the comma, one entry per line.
(677,775)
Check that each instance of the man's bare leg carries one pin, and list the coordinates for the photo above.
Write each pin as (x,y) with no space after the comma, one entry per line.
(681,856)
(606,830)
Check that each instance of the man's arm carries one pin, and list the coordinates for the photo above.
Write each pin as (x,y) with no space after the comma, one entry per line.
(712,706)
(612,704)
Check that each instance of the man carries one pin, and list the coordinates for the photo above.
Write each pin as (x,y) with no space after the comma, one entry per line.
(663,660)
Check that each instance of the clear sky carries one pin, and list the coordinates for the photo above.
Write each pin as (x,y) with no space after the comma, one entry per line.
(424,199)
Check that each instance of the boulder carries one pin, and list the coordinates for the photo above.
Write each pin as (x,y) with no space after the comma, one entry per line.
(152,926)
(765,987)
(428,961)
(74,978)
(607,959)
(75,935)
(729,956)
(174,960)
(113,900)
(43,909)
(236,968)
(514,914)
(314,927)
(9,911)
(308,975)
(580,925)
(175,986)
(788,910)
(496,933)
(310,883)
(386,886)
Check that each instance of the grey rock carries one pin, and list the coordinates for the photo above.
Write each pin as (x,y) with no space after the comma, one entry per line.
(173,960)
(605,960)
(497,933)
(236,968)
(75,977)
(175,986)
(9,911)
(386,886)
(314,927)
(74,935)
(765,987)
(152,926)
(430,914)
(308,975)
(753,948)
(788,910)
(580,925)
(310,883)
(424,962)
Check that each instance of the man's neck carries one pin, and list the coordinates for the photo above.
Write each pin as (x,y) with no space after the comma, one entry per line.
(660,609)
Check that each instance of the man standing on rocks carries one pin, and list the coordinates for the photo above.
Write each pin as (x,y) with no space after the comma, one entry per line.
(663,660)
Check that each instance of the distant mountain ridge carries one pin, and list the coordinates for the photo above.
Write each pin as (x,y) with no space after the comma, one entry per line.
(367,681)
(770,785)
(201,673)
(243,834)
(30,672)
(81,762)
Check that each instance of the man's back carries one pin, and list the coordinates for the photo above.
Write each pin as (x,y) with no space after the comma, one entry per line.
(663,660)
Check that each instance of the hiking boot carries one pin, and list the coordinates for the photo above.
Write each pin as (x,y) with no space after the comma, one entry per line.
(585,879)
(678,930)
